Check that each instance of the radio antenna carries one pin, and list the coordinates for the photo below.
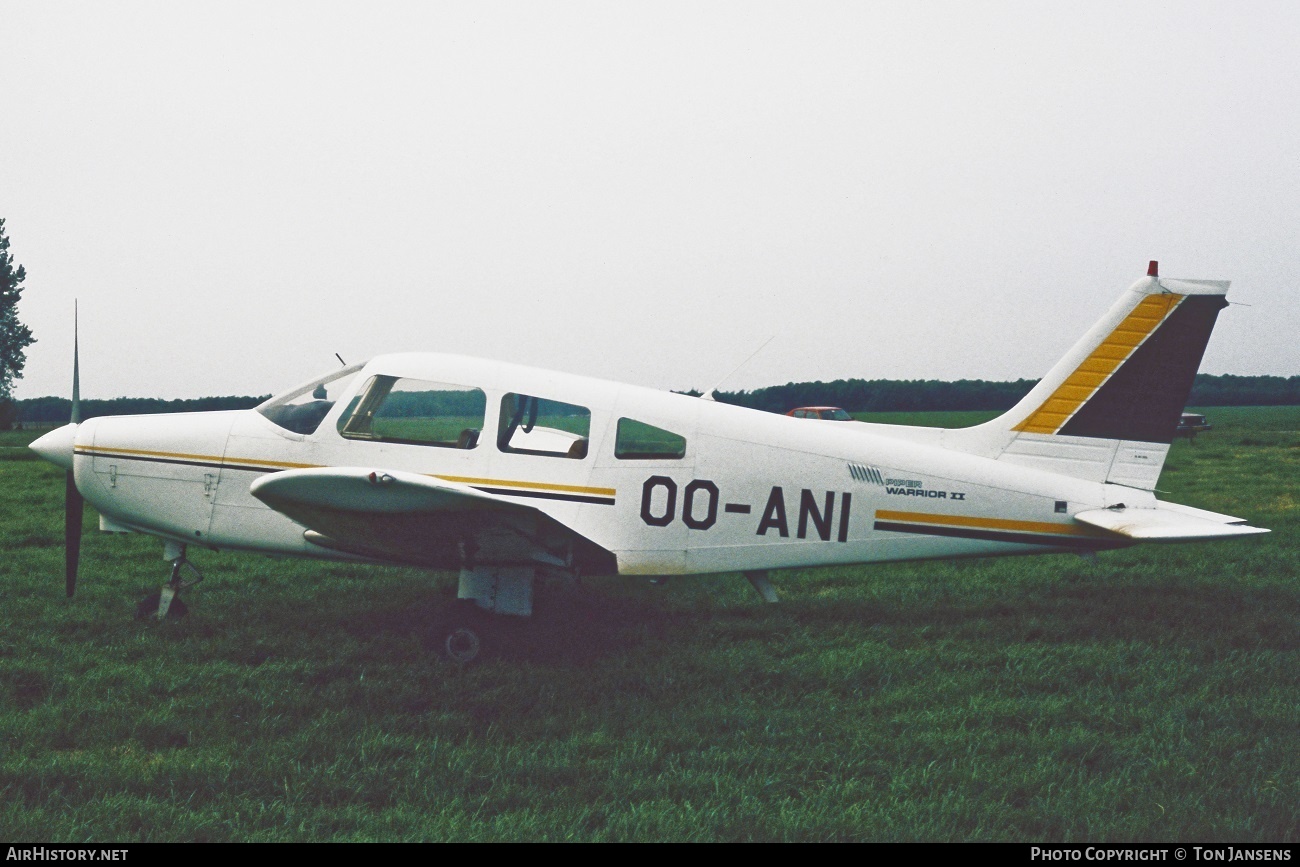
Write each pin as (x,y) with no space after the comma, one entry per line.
(712,393)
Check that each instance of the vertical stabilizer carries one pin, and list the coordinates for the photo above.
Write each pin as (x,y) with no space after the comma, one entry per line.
(1108,410)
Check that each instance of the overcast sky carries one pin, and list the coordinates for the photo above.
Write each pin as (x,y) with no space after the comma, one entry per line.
(638,191)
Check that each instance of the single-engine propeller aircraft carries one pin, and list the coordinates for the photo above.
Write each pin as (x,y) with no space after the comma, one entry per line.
(506,472)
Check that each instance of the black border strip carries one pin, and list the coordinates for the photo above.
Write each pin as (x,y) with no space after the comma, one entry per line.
(1002,536)
(547,495)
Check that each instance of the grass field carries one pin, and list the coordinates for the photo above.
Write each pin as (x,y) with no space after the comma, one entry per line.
(1148,695)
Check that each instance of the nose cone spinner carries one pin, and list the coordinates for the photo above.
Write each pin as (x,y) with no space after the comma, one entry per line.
(56,446)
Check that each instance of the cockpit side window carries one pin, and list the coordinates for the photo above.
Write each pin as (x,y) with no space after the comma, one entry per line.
(638,441)
(303,409)
(536,426)
(416,412)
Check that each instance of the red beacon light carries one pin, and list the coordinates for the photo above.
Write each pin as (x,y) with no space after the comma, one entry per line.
(1153,270)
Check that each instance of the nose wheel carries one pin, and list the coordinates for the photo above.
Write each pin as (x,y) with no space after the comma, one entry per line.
(166,602)
(149,606)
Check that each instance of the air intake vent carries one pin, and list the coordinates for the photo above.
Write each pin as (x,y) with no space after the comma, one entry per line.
(866,474)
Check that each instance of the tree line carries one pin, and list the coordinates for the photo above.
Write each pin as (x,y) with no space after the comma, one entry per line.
(57,410)
(917,395)
(855,395)
(14,336)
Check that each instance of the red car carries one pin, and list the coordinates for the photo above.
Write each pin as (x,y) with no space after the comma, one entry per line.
(825,413)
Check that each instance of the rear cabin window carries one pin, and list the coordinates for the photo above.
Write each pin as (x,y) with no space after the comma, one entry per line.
(638,441)
(417,412)
(532,425)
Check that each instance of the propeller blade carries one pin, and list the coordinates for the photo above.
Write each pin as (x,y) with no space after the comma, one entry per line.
(76,370)
(74,506)
(73,502)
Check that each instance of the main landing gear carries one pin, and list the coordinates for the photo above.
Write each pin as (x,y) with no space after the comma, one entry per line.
(489,597)
(463,633)
(166,602)
(486,596)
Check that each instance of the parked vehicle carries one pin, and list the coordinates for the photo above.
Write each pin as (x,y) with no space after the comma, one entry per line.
(1190,424)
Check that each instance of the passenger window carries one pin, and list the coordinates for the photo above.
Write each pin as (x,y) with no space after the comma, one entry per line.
(638,441)
(535,426)
(417,412)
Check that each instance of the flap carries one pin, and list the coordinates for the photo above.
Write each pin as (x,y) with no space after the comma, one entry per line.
(1162,524)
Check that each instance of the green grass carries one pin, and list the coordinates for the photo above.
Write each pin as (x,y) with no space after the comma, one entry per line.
(13,440)
(1147,695)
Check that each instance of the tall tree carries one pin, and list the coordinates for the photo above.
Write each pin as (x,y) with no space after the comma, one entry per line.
(14,336)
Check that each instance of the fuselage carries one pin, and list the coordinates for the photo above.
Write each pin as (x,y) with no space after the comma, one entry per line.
(733,489)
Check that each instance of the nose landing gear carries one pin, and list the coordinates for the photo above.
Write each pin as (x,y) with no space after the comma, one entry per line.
(165,603)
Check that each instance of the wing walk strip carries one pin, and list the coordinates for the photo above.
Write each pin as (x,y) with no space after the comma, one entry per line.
(1093,371)
(507,487)
(995,530)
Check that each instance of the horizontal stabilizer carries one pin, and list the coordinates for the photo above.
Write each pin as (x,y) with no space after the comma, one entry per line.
(1167,522)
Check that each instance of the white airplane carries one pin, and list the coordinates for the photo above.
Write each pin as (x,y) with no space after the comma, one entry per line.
(507,473)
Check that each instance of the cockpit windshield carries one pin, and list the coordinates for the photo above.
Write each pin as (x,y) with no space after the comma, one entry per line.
(302,409)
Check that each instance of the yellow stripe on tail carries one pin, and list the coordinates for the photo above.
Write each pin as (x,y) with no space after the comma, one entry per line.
(1093,371)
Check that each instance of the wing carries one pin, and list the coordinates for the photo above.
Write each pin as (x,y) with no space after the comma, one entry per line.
(1167,522)
(410,518)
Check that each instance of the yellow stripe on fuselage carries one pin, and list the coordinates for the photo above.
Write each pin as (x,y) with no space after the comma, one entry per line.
(987,523)
(535,486)
(184,456)
(289,465)
(1094,370)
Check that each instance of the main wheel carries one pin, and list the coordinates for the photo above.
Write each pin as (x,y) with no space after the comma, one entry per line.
(462,643)
(463,635)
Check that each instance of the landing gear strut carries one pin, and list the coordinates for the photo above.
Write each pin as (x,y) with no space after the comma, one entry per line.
(166,603)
